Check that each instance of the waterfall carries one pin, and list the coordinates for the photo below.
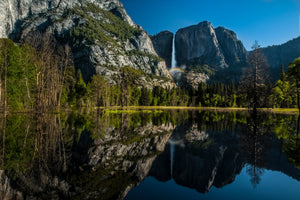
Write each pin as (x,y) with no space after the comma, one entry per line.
(173,64)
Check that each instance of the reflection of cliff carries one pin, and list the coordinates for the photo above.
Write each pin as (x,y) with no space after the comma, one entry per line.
(49,157)
(207,158)
(161,168)
(204,160)
(119,161)
(90,166)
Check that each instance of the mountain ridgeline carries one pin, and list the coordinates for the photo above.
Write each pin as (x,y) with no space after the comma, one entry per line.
(216,54)
(101,35)
(103,39)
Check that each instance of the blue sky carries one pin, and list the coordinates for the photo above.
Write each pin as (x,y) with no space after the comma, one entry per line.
(270,22)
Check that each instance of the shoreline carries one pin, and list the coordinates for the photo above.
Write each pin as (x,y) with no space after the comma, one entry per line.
(292,111)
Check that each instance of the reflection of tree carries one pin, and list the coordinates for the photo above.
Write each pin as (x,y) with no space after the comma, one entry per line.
(2,134)
(291,145)
(35,151)
(99,154)
(253,145)
(255,173)
(49,144)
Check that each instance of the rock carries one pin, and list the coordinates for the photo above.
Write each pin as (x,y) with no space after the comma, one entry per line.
(232,48)
(208,54)
(163,43)
(193,79)
(198,45)
(113,42)
(11,11)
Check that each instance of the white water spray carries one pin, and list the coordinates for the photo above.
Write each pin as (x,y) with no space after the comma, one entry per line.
(174,63)
(11,14)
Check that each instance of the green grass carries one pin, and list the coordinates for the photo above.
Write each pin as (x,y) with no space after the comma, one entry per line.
(129,109)
(281,110)
(159,109)
(120,111)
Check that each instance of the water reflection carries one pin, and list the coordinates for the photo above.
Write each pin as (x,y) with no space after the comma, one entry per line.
(214,148)
(104,155)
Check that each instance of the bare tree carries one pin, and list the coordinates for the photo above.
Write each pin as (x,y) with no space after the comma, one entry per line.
(54,58)
(255,77)
(4,46)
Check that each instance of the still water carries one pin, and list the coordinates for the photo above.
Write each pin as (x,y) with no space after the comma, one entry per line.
(150,155)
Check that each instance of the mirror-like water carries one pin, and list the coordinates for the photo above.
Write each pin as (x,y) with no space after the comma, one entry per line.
(150,155)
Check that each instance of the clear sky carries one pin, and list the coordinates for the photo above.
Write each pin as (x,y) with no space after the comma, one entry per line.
(270,22)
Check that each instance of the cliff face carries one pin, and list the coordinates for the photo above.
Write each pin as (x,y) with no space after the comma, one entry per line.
(232,48)
(103,38)
(198,45)
(205,52)
(163,43)
(12,11)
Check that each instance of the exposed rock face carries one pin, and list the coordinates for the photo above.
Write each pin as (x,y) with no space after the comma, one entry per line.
(232,48)
(284,54)
(193,79)
(102,48)
(13,10)
(163,43)
(204,51)
(198,45)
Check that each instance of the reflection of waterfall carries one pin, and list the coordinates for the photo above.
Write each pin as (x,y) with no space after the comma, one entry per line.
(172,145)
(173,65)
(172,151)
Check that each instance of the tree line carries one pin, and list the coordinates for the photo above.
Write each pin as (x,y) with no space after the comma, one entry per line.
(42,77)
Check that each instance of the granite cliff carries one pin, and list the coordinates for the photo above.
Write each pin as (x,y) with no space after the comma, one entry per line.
(206,53)
(198,45)
(215,54)
(102,36)
(163,43)
(232,48)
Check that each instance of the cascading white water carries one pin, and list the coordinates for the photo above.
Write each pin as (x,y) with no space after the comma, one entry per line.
(174,63)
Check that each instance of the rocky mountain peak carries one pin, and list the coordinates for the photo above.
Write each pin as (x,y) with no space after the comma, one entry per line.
(163,43)
(232,48)
(102,36)
(11,11)
(198,45)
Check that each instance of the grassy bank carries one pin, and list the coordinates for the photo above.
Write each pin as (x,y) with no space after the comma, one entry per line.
(134,109)
(220,109)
